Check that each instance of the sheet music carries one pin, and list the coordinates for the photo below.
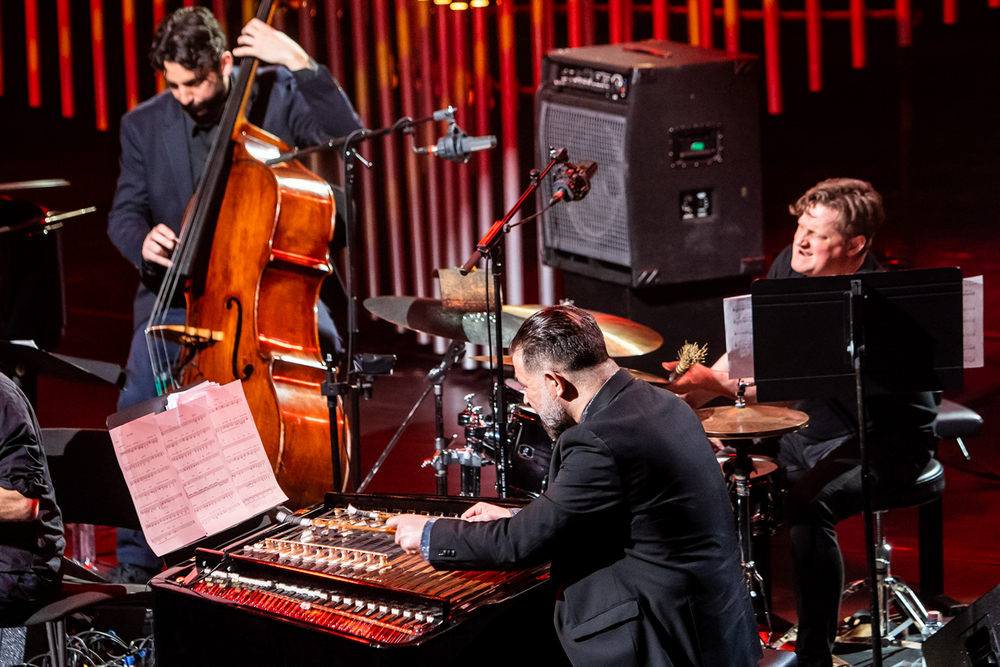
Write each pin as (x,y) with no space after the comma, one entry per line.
(972,321)
(168,520)
(738,313)
(196,469)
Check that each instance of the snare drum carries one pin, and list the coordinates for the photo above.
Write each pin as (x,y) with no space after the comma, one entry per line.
(765,493)
(531,452)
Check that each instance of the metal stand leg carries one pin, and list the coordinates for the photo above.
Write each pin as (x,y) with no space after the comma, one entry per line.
(742,468)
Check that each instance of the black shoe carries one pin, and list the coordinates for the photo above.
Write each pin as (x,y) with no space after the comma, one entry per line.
(128,573)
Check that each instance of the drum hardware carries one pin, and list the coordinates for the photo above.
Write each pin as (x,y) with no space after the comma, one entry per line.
(740,424)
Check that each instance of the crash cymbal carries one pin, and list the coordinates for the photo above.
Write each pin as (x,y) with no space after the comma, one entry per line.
(507,359)
(751,421)
(431,317)
(648,377)
(624,338)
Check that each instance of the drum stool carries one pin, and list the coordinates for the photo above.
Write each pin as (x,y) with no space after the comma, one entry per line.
(927,488)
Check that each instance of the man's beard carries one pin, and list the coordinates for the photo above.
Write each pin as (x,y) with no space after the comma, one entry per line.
(555,418)
(209,111)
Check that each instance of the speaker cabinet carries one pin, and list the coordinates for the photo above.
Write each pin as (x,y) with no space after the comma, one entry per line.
(675,131)
(970,639)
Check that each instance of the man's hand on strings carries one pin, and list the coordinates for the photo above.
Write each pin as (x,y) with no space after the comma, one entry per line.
(263,42)
(159,245)
(486,512)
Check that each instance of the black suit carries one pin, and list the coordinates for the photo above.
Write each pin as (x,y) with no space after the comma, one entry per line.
(156,185)
(640,532)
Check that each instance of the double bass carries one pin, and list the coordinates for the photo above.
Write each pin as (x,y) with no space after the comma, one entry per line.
(252,256)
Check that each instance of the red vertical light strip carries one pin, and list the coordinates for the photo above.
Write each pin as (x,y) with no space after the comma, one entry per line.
(731,22)
(482,102)
(428,132)
(814,44)
(994,4)
(858,51)
(449,199)
(460,88)
(65,59)
(1,49)
(550,24)
(100,71)
(694,24)
(131,62)
(904,23)
(334,39)
(364,183)
(387,115)
(219,10)
(772,57)
(616,31)
(159,11)
(627,20)
(404,48)
(33,51)
(588,19)
(661,19)
(951,12)
(189,3)
(307,35)
(574,36)
(537,38)
(509,97)
(705,18)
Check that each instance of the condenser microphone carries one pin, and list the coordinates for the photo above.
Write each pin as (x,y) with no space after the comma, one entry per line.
(572,182)
(458,146)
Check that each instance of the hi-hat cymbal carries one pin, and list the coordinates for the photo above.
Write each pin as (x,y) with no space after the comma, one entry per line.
(624,338)
(431,317)
(751,421)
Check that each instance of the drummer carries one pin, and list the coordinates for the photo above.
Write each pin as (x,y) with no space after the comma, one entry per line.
(837,220)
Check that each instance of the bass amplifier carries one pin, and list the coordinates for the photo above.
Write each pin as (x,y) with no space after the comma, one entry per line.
(675,131)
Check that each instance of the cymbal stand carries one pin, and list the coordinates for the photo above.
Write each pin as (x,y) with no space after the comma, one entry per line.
(491,247)
(742,469)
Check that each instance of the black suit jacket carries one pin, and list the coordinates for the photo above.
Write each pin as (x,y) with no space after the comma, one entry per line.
(639,528)
(155,184)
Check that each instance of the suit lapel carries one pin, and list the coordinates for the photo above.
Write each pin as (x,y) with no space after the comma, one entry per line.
(175,147)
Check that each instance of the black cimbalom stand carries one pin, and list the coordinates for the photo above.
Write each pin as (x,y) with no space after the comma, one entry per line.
(860,335)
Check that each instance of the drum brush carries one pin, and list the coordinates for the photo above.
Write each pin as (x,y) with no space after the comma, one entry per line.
(689,355)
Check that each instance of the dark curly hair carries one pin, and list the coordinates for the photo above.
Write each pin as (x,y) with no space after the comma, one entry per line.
(190,37)
(565,336)
(857,202)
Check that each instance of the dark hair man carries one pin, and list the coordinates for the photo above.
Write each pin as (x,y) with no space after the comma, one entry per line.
(31,528)
(837,219)
(635,520)
(165,145)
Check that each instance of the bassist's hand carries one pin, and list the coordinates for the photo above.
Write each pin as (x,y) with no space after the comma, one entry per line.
(159,245)
(269,45)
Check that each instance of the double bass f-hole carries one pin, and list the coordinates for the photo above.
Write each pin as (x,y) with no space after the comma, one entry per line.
(248,369)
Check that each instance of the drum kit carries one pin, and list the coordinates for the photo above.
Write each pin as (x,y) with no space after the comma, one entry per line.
(752,479)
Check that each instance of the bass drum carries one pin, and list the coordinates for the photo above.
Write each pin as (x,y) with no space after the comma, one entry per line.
(530,454)
(765,493)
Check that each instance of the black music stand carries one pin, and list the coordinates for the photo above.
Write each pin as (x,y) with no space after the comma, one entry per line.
(862,334)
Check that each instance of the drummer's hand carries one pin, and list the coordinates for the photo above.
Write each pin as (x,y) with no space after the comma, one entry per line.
(265,43)
(409,529)
(158,245)
(717,445)
(486,512)
(698,377)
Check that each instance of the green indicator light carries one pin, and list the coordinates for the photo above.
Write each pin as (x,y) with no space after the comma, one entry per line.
(698,145)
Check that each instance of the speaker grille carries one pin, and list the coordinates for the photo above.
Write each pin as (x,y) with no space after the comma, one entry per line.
(596,227)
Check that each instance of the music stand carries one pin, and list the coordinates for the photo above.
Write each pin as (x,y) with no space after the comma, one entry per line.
(862,334)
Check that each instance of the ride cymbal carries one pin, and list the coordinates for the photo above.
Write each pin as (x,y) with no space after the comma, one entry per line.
(623,337)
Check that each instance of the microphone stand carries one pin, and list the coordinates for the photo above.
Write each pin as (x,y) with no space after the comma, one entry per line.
(491,247)
(355,381)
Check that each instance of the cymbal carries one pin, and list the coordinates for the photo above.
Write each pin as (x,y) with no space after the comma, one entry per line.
(751,421)
(486,359)
(648,377)
(623,337)
(431,317)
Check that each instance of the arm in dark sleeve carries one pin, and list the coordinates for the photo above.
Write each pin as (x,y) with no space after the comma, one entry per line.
(320,110)
(586,485)
(22,466)
(130,219)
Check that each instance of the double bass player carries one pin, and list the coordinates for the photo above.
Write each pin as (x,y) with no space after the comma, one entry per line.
(165,145)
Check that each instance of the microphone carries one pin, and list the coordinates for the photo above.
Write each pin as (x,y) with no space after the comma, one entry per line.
(457,146)
(572,182)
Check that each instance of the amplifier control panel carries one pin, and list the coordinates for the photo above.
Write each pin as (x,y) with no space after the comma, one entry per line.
(612,85)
